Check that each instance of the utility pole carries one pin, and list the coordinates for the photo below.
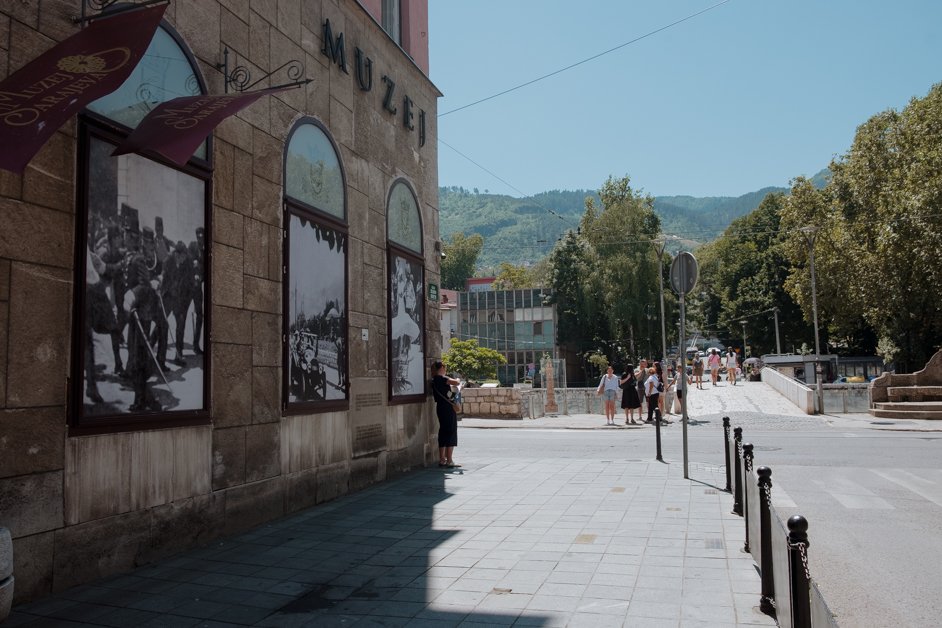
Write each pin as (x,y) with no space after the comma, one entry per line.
(810,233)
(778,344)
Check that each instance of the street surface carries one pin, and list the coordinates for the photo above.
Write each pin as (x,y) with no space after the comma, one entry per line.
(871,489)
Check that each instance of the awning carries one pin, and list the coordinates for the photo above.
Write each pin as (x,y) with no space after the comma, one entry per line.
(176,128)
(38,98)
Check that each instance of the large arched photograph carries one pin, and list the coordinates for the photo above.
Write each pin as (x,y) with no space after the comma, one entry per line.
(406,327)
(317,313)
(144,287)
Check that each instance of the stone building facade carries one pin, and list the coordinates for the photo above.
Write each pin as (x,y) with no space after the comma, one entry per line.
(271,397)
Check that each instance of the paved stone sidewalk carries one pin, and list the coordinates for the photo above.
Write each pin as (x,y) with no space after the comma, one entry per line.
(498,542)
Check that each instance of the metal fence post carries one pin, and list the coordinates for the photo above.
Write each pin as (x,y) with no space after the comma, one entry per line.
(798,571)
(729,479)
(766,602)
(737,455)
(747,473)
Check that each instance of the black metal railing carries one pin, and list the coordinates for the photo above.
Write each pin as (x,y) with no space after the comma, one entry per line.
(779,549)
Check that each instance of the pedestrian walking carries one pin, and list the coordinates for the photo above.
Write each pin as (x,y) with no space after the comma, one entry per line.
(447,417)
(608,389)
(714,363)
(652,394)
(698,371)
(731,366)
(641,375)
(629,396)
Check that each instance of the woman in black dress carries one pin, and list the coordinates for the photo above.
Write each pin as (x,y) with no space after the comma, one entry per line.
(447,419)
(629,396)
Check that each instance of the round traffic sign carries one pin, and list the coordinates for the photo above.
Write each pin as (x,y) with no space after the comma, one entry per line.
(684,272)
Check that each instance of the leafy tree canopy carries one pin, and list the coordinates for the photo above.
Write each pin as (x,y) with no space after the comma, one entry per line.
(461,255)
(473,362)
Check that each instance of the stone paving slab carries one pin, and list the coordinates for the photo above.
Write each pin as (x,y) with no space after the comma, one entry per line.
(496,543)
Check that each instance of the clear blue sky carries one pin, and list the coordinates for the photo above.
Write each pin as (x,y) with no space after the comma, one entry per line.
(747,95)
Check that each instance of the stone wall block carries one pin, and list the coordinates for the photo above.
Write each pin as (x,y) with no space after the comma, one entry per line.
(183,524)
(232,385)
(32,564)
(259,42)
(269,154)
(232,326)
(332,438)
(242,182)
(238,132)
(151,469)
(35,234)
(47,181)
(275,247)
(332,481)
(256,261)
(252,504)
(228,457)
(198,23)
(266,394)
(228,228)
(341,121)
(223,173)
(289,18)
(97,477)
(300,490)
(31,503)
(266,339)
(227,276)
(367,470)
(283,117)
(33,439)
(298,435)
(262,451)
(99,548)
(235,30)
(374,288)
(239,7)
(266,201)
(192,461)
(262,295)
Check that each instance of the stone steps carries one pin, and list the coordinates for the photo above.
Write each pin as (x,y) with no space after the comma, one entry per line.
(914,393)
(908,410)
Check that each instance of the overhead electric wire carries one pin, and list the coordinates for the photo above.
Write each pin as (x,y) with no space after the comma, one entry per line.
(586,60)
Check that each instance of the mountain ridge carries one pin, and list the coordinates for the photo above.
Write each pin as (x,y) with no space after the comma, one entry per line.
(522,231)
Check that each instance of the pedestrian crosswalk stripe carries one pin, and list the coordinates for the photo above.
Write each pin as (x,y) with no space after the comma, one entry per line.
(852,495)
(924,487)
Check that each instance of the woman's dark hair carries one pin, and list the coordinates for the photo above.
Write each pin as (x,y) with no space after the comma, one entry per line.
(630,371)
(437,364)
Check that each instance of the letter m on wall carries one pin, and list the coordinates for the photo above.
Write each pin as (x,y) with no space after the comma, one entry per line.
(333,48)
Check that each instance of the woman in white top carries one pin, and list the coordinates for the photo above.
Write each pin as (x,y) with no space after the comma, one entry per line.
(731,366)
(652,393)
(608,388)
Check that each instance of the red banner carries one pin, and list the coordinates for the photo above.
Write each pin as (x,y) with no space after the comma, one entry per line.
(175,128)
(38,98)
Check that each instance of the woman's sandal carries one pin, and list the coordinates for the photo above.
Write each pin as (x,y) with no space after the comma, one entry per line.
(452,465)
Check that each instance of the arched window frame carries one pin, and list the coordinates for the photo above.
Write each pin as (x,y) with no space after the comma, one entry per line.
(294,399)
(97,129)
(400,256)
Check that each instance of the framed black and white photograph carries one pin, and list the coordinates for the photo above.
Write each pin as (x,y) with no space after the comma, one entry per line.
(316,313)
(406,325)
(142,332)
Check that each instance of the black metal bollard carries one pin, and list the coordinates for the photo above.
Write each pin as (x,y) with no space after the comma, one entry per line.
(737,460)
(798,571)
(657,434)
(747,472)
(729,479)
(766,602)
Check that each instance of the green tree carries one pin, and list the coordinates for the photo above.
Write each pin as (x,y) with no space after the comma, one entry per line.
(879,233)
(510,277)
(474,362)
(461,255)
(622,269)
(742,277)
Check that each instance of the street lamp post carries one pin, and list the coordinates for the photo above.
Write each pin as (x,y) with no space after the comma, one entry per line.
(659,245)
(778,344)
(743,340)
(810,233)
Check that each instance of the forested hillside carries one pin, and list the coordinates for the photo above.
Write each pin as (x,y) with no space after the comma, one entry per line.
(524,230)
